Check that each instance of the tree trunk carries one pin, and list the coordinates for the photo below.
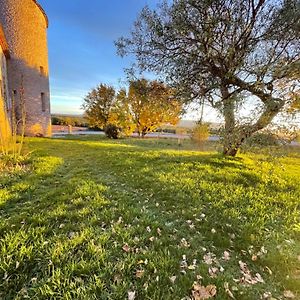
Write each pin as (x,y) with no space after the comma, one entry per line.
(144,133)
(235,139)
(233,143)
(234,135)
(229,147)
(230,151)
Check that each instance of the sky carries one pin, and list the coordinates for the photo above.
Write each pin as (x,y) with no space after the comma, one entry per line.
(82,53)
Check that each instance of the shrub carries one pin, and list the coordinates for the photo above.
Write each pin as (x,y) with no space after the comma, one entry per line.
(112,131)
(181,131)
(166,130)
(200,133)
(36,130)
(263,139)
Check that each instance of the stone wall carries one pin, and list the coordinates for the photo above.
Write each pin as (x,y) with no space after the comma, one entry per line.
(25,26)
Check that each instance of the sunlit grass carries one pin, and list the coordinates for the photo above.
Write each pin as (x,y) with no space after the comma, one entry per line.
(92,218)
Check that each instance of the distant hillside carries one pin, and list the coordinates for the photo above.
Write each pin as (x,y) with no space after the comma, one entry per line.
(186,123)
(64,119)
(191,124)
(68,115)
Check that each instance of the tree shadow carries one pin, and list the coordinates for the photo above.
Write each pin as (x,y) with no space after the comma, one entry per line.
(84,200)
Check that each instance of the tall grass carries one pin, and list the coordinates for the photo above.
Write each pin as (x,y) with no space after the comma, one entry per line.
(135,215)
(5,129)
(12,129)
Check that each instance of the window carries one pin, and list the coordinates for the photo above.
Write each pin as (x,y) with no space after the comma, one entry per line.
(14,96)
(3,94)
(43,100)
(42,71)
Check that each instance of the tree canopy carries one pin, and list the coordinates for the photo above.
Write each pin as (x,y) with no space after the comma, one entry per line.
(225,51)
(98,105)
(152,104)
(146,106)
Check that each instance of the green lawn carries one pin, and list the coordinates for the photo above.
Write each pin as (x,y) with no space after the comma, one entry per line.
(91,218)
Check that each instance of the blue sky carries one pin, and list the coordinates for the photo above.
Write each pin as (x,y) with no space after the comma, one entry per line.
(81,39)
(82,53)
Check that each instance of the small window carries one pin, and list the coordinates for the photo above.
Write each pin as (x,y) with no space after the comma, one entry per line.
(14,95)
(42,71)
(3,93)
(43,99)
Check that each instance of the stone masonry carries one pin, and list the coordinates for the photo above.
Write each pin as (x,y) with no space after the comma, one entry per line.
(25,26)
(5,105)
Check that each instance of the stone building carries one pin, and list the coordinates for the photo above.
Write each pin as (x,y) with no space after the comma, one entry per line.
(5,105)
(25,80)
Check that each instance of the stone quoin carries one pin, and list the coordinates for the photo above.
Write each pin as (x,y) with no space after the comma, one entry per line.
(24,47)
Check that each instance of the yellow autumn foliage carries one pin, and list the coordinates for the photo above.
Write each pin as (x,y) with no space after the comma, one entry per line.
(153,104)
(5,130)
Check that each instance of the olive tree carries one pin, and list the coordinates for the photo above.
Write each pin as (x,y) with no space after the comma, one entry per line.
(225,52)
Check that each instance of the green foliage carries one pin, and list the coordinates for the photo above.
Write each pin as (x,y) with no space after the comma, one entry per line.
(263,139)
(212,51)
(79,224)
(112,131)
(98,104)
(10,163)
(77,121)
(107,109)
(147,105)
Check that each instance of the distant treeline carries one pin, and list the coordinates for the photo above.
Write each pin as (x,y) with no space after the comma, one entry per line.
(78,121)
(177,129)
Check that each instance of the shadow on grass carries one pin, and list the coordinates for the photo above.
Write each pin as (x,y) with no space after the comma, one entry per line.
(65,224)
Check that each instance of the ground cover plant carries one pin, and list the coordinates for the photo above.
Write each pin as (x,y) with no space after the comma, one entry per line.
(92,218)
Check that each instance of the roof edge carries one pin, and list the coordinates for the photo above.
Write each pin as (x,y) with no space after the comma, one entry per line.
(3,43)
(43,12)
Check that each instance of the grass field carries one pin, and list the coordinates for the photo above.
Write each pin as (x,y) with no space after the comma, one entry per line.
(90,218)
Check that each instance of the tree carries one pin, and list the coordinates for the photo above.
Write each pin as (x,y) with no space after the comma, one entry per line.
(98,105)
(227,52)
(152,104)
(121,116)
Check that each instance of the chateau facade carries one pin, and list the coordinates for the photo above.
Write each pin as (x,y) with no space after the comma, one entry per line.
(24,75)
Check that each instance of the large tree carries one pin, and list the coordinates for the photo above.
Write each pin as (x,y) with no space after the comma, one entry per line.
(226,52)
(121,115)
(152,104)
(98,105)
